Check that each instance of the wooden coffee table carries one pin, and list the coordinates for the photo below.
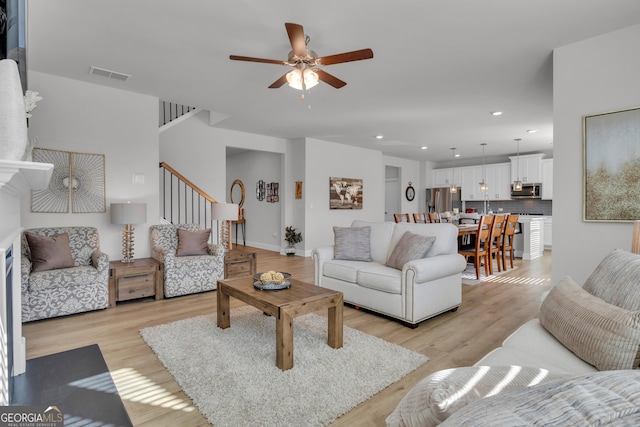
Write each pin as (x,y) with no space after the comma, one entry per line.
(285,304)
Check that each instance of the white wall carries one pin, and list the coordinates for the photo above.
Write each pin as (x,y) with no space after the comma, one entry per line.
(87,118)
(410,171)
(325,160)
(263,227)
(592,76)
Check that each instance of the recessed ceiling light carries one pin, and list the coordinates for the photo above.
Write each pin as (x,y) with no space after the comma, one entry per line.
(532,131)
(379,136)
(496,113)
(424,147)
(456,155)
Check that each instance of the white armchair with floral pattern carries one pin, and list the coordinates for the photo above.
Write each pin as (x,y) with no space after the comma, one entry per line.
(82,286)
(185,274)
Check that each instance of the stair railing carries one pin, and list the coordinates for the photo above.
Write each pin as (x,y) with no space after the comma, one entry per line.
(181,201)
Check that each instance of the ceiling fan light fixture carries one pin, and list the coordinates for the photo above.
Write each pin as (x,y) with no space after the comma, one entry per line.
(295,78)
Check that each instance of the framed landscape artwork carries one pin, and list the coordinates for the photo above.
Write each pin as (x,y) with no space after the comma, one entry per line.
(345,193)
(612,166)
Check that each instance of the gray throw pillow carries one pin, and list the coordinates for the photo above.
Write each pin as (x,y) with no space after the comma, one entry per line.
(352,243)
(49,253)
(410,246)
(193,242)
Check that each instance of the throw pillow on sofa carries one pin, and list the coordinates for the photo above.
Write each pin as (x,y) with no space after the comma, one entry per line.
(352,243)
(49,253)
(442,393)
(410,246)
(603,335)
(616,278)
(193,242)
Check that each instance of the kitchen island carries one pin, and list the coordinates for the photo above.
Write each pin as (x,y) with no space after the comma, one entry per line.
(529,243)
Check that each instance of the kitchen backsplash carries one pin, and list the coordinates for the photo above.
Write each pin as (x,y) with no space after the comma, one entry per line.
(521,206)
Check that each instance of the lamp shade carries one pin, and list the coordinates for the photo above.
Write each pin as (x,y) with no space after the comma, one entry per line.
(224,211)
(128,213)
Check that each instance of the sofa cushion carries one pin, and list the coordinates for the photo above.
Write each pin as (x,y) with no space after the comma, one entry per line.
(616,280)
(442,393)
(602,334)
(192,243)
(49,253)
(352,243)
(341,270)
(379,277)
(410,246)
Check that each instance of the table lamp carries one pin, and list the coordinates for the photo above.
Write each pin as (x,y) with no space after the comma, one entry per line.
(225,212)
(128,214)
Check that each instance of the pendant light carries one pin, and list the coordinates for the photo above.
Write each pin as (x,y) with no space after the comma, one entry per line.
(454,188)
(483,185)
(517,184)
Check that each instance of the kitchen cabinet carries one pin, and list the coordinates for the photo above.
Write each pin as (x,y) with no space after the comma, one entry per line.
(499,181)
(470,177)
(548,229)
(529,244)
(547,179)
(445,177)
(530,170)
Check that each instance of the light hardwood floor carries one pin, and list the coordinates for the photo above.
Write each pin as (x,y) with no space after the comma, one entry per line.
(488,314)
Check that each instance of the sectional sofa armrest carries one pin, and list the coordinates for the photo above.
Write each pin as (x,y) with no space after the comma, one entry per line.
(319,256)
(100,261)
(433,268)
(163,255)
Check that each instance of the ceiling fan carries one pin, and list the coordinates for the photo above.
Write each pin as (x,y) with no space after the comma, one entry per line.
(305,62)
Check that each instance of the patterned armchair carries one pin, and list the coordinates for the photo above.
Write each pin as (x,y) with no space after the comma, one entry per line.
(64,291)
(185,274)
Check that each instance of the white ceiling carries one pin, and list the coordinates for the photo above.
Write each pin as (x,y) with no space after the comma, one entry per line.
(439,67)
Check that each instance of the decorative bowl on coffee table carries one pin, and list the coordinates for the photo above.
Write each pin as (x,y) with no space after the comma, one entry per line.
(268,285)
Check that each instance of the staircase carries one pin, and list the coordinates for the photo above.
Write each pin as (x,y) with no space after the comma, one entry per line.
(181,201)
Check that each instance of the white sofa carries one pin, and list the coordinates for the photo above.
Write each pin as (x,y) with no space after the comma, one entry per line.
(422,289)
(576,364)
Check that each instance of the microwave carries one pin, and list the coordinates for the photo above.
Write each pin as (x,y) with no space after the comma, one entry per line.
(529,191)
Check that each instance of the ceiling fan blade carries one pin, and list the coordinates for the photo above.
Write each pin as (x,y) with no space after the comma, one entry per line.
(251,59)
(330,79)
(356,55)
(297,39)
(278,83)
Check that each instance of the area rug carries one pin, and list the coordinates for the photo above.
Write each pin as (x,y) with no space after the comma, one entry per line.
(469,275)
(231,376)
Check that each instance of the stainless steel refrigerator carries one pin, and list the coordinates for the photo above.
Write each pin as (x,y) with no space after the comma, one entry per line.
(443,200)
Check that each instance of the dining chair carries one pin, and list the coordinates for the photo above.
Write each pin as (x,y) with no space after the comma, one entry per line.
(401,217)
(495,241)
(420,218)
(480,249)
(434,217)
(507,239)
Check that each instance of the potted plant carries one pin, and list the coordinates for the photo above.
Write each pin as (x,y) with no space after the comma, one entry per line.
(292,237)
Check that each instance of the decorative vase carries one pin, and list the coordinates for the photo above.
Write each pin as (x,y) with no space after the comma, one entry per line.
(290,250)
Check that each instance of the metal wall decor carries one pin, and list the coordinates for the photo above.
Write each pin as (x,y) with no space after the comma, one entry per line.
(260,190)
(272,192)
(78,179)
(345,193)
(611,165)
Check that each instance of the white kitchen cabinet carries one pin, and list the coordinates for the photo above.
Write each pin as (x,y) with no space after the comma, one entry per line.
(548,229)
(445,177)
(547,179)
(499,181)
(530,170)
(470,177)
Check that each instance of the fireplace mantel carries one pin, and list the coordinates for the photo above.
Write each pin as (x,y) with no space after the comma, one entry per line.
(17,179)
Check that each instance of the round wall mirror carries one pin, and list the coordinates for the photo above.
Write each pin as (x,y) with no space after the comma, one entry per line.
(236,193)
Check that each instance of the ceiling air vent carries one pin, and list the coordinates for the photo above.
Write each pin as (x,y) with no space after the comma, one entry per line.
(109,74)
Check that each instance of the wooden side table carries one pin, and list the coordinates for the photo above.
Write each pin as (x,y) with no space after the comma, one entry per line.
(239,263)
(138,279)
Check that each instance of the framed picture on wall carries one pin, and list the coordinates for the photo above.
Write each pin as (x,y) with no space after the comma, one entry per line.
(612,166)
(345,193)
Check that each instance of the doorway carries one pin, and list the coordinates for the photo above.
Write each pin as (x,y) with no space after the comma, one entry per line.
(392,192)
